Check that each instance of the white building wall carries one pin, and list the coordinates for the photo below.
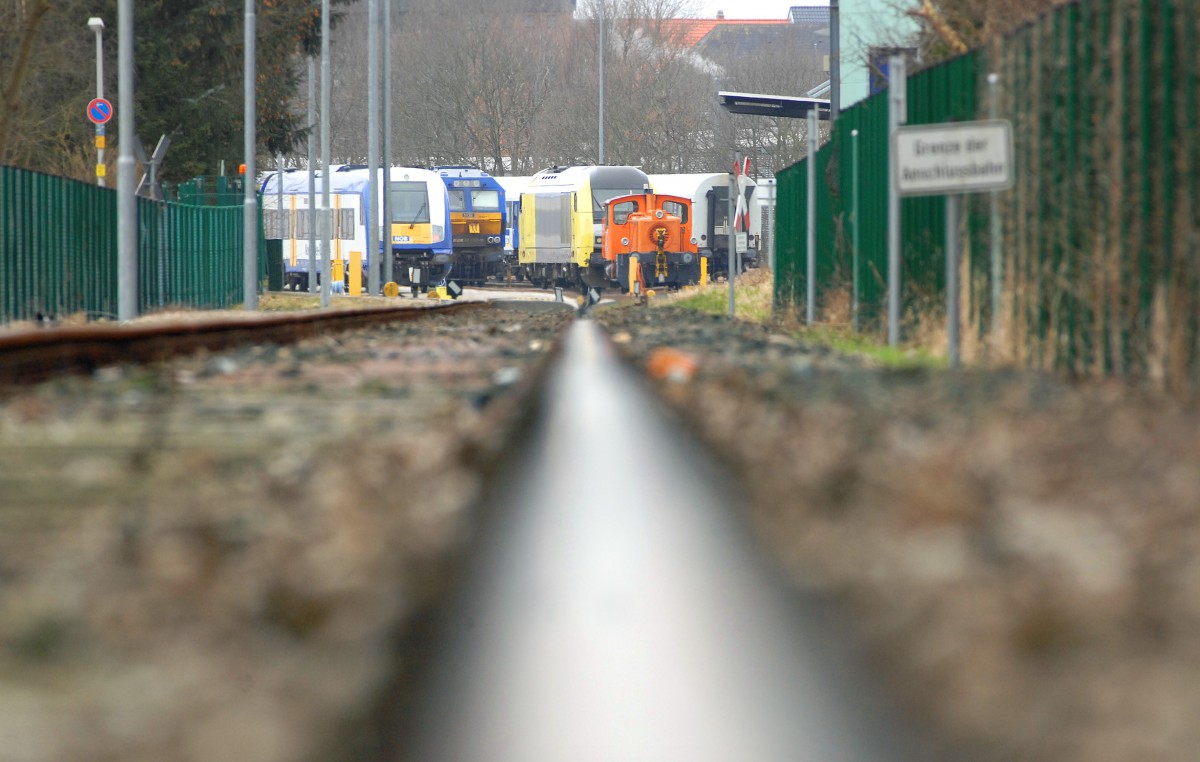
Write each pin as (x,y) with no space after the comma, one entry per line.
(867,23)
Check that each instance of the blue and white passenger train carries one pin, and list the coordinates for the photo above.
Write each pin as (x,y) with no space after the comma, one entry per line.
(418,235)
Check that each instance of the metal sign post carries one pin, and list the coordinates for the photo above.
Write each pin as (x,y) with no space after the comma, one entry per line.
(811,243)
(897,115)
(952,159)
(953,202)
(99,112)
(994,224)
(854,229)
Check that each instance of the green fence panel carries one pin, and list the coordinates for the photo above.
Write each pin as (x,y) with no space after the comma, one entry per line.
(58,249)
(945,93)
(58,245)
(1100,271)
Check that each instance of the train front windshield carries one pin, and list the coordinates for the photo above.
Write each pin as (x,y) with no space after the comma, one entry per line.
(601,197)
(485,201)
(481,201)
(410,202)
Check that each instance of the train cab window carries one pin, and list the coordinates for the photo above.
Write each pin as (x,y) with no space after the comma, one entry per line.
(622,211)
(601,197)
(410,202)
(677,209)
(458,201)
(485,201)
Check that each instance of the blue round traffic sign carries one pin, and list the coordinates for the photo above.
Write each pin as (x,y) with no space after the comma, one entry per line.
(99,110)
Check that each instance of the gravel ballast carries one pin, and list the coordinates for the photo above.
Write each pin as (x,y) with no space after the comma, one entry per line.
(216,557)
(1020,556)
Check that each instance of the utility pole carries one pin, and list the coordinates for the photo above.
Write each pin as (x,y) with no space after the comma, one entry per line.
(601,138)
(127,290)
(250,204)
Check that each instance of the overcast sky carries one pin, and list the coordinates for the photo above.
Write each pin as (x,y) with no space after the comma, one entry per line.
(751,9)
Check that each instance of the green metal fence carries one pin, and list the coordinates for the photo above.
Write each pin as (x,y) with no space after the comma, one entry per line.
(942,94)
(58,250)
(1100,247)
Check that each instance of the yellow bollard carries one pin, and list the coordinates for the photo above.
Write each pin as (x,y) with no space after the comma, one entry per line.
(703,271)
(340,271)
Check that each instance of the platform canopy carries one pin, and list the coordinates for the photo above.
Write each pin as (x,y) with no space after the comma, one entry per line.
(785,106)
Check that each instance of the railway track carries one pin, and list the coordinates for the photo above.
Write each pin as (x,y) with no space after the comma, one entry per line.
(305,486)
(34,355)
(249,553)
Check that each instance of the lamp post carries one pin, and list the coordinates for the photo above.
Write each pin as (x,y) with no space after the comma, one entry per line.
(96,24)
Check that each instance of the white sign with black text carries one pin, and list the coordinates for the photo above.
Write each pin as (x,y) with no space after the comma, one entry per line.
(953,157)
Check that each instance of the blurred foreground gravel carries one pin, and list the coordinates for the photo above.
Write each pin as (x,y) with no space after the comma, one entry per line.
(215,558)
(1020,556)
(219,557)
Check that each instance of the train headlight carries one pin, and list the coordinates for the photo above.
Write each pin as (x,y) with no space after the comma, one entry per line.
(438,232)
(693,240)
(624,241)
(658,213)
(687,258)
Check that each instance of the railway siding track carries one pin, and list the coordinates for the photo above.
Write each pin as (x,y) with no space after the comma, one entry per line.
(33,355)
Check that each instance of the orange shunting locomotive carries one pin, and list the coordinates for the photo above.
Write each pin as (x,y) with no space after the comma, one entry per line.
(648,242)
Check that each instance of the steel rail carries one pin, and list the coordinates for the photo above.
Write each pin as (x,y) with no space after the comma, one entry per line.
(37,354)
(618,609)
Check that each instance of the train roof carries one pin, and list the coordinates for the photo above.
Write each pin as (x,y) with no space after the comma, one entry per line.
(513,185)
(689,185)
(295,180)
(602,176)
(460,170)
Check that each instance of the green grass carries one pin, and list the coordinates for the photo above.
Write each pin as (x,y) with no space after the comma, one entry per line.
(847,342)
(753,302)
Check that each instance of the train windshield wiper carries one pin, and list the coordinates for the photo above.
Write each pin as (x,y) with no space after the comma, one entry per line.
(417,216)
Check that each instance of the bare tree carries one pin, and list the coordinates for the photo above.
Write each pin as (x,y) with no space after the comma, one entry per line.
(41,73)
(950,27)
(491,84)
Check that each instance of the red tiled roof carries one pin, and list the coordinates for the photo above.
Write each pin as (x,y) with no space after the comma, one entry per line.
(690,32)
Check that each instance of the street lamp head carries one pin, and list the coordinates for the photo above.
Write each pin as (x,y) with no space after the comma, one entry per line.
(95,23)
